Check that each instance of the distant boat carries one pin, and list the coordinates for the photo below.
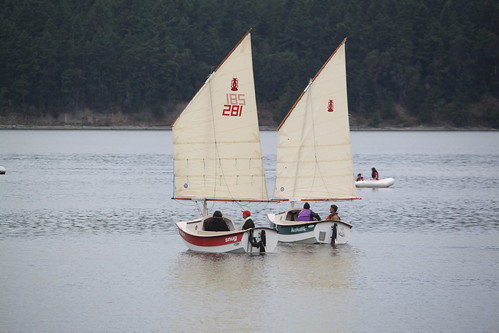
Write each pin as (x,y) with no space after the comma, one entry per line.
(314,156)
(373,183)
(217,155)
(2,170)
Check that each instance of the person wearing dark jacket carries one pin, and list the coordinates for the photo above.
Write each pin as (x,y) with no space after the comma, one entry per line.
(216,223)
(248,221)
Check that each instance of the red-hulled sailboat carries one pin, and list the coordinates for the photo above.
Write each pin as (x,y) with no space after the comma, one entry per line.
(217,155)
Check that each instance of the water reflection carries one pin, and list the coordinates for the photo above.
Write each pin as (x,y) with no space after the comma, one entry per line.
(217,291)
(331,267)
(221,271)
(221,290)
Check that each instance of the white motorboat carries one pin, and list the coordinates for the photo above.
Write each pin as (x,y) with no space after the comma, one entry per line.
(373,183)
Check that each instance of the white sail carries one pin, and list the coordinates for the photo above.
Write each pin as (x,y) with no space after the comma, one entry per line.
(216,138)
(314,160)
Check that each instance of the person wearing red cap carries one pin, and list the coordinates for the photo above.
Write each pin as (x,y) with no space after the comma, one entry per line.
(248,221)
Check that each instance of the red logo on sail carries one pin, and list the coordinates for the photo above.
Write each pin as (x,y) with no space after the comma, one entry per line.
(330,106)
(235,101)
(234,84)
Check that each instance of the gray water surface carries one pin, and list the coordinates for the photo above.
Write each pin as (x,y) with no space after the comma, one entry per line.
(88,242)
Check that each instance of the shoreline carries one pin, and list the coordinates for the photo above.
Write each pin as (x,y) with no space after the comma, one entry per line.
(262,128)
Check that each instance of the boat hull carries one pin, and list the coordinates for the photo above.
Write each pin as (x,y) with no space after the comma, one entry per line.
(385,182)
(308,232)
(234,241)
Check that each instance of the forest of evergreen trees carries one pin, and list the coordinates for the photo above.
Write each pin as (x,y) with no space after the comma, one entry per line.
(409,62)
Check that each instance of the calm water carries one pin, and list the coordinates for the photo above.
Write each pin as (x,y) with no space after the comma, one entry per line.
(88,242)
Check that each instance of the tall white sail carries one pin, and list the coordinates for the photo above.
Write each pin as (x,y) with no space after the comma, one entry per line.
(216,138)
(314,160)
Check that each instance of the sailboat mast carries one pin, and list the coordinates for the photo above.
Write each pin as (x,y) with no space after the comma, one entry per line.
(205,207)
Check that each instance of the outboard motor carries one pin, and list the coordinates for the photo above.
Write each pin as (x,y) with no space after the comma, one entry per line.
(263,237)
(261,243)
(334,233)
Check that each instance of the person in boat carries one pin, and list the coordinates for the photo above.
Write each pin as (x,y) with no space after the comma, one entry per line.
(359,177)
(374,174)
(216,222)
(333,216)
(307,215)
(248,221)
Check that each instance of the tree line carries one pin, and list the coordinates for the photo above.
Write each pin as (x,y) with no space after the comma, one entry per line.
(409,62)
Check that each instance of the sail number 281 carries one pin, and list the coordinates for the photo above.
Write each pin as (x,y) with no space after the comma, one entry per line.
(234,106)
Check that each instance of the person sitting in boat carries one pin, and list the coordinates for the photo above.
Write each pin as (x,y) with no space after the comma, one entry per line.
(359,177)
(216,223)
(307,215)
(248,221)
(333,216)
(374,174)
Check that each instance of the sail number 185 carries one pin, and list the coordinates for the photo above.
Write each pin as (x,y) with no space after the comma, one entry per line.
(234,106)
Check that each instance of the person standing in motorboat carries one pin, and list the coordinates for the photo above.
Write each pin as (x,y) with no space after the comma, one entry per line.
(248,221)
(374,174)
(333,216)
(307,215)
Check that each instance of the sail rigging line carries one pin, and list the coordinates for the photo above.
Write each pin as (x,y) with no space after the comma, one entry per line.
(218,162)
(325,83)
(238,175)
(208,82)
(311,86)
(309,110)
(296,162)
(217,152)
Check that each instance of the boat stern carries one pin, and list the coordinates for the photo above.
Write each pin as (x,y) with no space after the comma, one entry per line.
(257,237)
